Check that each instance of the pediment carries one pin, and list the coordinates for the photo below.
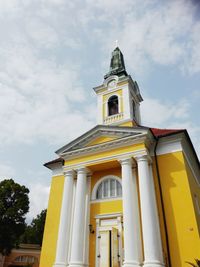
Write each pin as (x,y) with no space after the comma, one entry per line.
(100,135)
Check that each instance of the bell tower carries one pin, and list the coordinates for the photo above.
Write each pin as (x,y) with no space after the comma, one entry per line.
(119,96)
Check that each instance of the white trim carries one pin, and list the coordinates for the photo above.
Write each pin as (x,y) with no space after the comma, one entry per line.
(57,171)
(110,78)
(105,200)
(168,146)
(109,215)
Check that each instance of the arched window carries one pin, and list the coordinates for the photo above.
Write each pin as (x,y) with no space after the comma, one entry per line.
(109,188)
(113,105)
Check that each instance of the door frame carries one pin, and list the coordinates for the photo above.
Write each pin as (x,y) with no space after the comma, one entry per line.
(106,222)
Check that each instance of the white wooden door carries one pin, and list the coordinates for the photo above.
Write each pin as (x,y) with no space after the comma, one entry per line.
(104,249)
(114,247)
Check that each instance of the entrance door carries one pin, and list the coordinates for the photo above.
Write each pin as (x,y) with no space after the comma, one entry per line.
(108,248)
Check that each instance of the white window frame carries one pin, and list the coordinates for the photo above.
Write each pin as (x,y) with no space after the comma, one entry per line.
(103,179)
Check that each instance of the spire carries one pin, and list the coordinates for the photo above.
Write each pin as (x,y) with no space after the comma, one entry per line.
(117,66)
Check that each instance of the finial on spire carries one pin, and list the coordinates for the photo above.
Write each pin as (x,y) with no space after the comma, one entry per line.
(117,66)
(116,43)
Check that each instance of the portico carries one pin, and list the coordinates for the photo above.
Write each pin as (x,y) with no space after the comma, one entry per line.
(140,246)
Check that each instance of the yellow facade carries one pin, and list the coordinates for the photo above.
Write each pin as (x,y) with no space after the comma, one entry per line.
(178,190)
(182,223)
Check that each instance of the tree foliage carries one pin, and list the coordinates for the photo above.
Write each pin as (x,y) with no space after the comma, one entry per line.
(14,204)
(34,232)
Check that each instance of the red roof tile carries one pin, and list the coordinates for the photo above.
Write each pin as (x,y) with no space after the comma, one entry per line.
(163,132)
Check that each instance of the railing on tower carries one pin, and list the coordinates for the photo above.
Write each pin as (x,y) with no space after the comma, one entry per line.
(113,118)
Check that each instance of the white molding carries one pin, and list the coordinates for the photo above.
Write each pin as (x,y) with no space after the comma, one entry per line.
(168,146)
(99,130)
(115,157)
(94,191)
(57,171)
(110,78)
(125,141)
(105,200)
(109,215)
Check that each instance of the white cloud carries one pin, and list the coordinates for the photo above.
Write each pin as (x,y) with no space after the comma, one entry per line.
(38,196)
(160,114)
(171,115)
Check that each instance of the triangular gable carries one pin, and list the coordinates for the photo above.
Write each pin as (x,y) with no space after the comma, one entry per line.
(101,134)
(101,140)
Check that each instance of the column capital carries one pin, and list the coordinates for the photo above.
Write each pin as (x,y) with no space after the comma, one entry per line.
(144,157)
(69,172)
(126,161)
(83,170)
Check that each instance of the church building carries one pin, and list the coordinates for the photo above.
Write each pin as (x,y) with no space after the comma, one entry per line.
(123,194)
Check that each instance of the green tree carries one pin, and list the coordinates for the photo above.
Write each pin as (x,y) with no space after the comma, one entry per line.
(14,204)
(34,232)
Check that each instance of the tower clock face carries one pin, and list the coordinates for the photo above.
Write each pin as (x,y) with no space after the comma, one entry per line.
(112,83)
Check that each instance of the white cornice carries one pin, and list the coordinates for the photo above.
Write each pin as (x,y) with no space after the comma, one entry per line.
(121,142)
(100,130)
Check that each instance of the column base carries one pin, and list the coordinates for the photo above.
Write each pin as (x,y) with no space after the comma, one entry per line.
(60,264)
(77,264)
(153,264)
(131,264)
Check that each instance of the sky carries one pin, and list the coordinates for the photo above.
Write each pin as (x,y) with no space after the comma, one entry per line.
(53,52)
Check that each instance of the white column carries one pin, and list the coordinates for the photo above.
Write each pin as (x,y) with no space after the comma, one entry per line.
(78,234)
(153,254)
(132,234)
(65,218)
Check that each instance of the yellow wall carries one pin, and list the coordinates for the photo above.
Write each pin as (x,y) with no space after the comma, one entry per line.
(52,223)
(181,224)
(99,208)
(178,190)
(117,151)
